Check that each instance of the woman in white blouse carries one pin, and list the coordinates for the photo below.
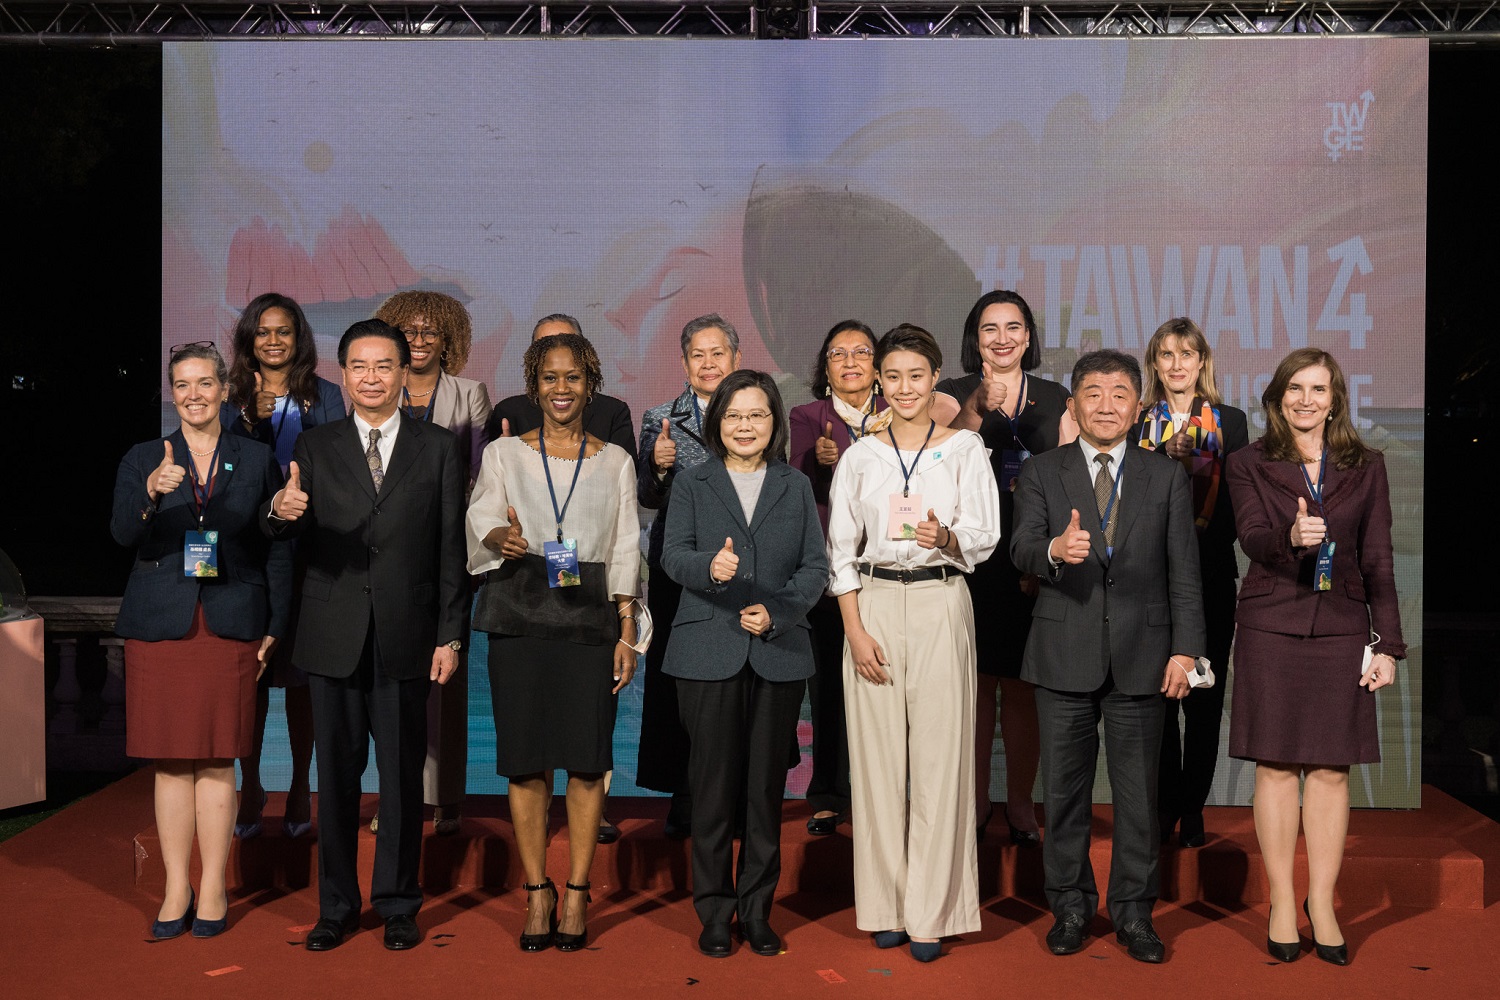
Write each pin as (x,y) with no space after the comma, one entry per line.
(909,511)
(553,525)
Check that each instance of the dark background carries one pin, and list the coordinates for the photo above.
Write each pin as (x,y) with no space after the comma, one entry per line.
(79,381)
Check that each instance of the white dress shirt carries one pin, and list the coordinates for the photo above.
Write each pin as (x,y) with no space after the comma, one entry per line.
(955,480)
(387,443)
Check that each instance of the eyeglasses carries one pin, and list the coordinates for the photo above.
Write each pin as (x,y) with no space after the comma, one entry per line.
(838,354)
(756,417)
(359,369)
(412,336)
(197,343)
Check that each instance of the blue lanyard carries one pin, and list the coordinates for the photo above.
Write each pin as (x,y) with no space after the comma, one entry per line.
(541,443)
(906,474)
(697,412)
(1015,418)
(1316,491)
(203,493)
(426,417)
(277,419)
(864,421)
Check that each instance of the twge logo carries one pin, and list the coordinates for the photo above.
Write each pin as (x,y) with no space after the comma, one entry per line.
(1346,129)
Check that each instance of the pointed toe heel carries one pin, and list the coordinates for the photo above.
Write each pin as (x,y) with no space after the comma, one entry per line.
(1333,954)
(1284,952)
(541,942)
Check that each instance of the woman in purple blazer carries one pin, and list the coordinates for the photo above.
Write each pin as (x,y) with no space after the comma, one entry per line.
(1313,510)
(848,406)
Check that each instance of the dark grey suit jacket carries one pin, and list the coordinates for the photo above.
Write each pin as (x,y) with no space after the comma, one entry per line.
(782,565)
(397,557)
(1124,615)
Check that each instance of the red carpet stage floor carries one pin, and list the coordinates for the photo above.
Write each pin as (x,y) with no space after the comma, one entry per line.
(1419,897)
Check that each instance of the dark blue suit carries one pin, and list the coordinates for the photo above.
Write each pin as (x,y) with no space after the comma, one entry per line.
(328,408)
(251,596)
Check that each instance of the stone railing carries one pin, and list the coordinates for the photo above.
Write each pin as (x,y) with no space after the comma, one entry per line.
(86,675)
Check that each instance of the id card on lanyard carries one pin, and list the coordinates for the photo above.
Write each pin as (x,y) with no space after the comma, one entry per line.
(561,555)
(906,507)
(1323,571)
(200,549)
(1012,458)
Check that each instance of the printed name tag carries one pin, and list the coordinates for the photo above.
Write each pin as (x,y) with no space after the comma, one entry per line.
(200,553)
(1010,467)
(1324,578)
(562,563)
(904,515)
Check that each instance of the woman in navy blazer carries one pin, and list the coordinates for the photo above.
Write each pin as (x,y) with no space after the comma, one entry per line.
(744,542)
(848,405)
(199,624)
(274,395)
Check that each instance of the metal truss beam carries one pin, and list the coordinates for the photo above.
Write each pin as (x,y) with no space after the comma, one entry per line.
(217,20)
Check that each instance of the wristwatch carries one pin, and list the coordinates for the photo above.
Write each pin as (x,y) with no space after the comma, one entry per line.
(455,645)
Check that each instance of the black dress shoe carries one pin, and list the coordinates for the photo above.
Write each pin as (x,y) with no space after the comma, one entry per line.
(822,826)
(715,941)
(680,817)
(330,933)
(1190,833)
(1066,935)
(401,933)
(1333,954)
(1284,952)
(759,936)
(166,930)
(608,832)
(1024,838)
(1141,942)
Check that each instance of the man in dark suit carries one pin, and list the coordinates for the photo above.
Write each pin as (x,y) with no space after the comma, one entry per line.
(377,500)
(605,417)
(1117,627)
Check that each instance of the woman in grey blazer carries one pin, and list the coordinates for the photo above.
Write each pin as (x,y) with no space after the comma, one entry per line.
(744,541)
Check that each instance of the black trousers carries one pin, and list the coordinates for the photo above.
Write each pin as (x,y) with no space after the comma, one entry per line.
(347,711)
(828,788)
(1070,753)
(740,729)
(661,761)
(1190,755)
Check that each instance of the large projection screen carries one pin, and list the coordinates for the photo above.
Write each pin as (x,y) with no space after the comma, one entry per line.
(1271,189)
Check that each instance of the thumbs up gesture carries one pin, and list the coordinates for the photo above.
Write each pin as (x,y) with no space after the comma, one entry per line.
(265,399)
(1072,546)
(166,477)
(826,451)
(505,427)
(725,563)
(1307,531)
(930,530)
(513,545)
(1180,443)
(991,391)
(664,452)
(291,502)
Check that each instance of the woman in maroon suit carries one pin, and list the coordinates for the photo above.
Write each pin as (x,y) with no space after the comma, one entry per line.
(848,406)
(1312,505)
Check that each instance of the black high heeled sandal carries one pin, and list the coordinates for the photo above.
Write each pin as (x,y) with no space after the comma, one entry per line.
(541,942)
(575,942)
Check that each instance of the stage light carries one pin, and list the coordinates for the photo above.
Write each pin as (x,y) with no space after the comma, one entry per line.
(781,18)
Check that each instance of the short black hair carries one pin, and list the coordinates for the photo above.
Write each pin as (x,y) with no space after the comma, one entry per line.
(375,328)
(969,356)
(819,383)
(745,378)
(908,337)
(1099,362)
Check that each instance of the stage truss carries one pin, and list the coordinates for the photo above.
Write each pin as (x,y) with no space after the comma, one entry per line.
(218,20)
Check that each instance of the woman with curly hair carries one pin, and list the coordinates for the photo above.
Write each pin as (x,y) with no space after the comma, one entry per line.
(438,329)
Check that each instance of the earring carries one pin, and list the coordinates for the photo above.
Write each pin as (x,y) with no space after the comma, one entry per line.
(828,390)
(877,388)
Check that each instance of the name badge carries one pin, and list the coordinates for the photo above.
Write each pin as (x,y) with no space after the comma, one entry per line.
(562,563)
(904,515)
(1323,579)
(1011,460)
(200,554)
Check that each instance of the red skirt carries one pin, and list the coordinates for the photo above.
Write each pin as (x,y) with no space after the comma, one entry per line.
(191,698)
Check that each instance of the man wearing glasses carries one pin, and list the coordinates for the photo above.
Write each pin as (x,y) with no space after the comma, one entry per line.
(377,500)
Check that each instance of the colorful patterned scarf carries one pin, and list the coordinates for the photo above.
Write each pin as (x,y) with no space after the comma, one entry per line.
(1205,463)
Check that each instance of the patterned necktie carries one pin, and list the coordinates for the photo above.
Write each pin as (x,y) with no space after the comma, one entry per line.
(1104,485)
(372,458)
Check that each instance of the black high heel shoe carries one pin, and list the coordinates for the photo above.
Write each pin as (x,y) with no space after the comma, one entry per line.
(1284,952)
(575,942)
(1333,954)
(541,942)
(166,930)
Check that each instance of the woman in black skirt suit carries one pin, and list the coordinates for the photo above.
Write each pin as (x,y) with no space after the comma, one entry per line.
(1184,417)
(1017,415)
(1312,504)
(561,630)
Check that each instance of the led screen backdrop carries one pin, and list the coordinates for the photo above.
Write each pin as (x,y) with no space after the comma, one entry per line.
(1273,190)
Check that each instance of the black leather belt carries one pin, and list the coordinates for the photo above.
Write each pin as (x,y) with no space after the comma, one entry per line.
(904,576)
